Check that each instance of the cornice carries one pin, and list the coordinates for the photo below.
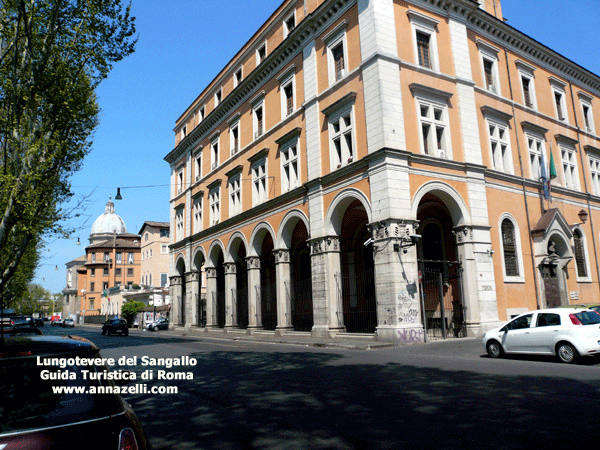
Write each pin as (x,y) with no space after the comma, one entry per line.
(313,24)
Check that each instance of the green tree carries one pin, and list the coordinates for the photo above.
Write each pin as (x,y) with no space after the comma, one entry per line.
(129,309)
(53,55)
(33,300)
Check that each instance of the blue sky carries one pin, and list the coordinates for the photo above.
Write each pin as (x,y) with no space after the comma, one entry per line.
(182,46)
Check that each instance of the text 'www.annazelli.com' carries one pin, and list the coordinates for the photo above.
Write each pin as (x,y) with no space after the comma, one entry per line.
(135,389)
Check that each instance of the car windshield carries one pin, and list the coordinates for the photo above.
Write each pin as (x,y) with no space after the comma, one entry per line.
(30,398)
(588,317)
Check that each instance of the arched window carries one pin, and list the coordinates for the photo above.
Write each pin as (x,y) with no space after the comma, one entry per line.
(579,254)
(509,244)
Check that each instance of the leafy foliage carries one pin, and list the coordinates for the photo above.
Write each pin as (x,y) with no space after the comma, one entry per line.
(53,54)
(130,308)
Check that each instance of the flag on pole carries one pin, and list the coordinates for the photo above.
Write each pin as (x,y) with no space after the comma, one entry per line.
(544,178)
(552,174)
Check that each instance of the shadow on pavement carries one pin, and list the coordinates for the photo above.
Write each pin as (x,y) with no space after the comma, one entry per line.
(248,400)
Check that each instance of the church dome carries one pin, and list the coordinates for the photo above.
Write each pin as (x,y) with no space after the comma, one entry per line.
(108,222)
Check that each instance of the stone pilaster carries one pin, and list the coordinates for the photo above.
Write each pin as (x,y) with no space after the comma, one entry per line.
(176,298)
(193,287)
(284,296)
(211,297)
(230,295)
(254,306)
(327,286)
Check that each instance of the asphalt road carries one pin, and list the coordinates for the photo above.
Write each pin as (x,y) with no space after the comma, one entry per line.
(444,395)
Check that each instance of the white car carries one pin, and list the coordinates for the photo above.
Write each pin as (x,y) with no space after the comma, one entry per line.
(565,332)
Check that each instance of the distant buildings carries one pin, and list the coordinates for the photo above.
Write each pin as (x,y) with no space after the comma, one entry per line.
(97,283)
(386,167)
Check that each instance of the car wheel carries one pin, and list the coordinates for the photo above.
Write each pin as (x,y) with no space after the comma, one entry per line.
(155,328)
(494,349)
(566,352)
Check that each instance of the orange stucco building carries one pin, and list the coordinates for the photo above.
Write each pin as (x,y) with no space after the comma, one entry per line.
(405,168)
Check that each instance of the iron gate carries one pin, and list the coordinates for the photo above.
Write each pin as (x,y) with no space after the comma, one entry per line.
(441,288)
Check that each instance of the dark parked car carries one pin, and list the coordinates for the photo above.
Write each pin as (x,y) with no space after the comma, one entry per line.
(37,416)
(38,322)
(115,326)
(160,324)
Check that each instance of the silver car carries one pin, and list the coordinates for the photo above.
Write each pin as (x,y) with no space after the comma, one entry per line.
(565,332)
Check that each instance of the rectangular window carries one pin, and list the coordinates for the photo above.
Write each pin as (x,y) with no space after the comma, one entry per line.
(234,138)
(499,144)
(197,215)
(201,114)
(558,102)
(179,228)
(423,51)
(163,279)
(93,257)
(118,272)
(488,67)
(433,129)
(288,25)
(106,257)
(130,258)
(237,78)
(587,112)
(258,121)
(235,197)
(214,154)
(337,53)
(218,97)
(130,272)
(119,258)
(104,286)
(215,206)
(180,181)
(92,272)
(164,232)
(569,165)
(104,272)
(198,165)
(535,146)
(525,83)
(259,182)
(92,287)
(287,97)
(261,53)
(341,135)
(289,167)
(91,303)
(164,249)
(595,171)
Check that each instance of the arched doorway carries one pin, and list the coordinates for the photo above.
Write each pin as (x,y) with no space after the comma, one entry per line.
(440,269)
(357,278)
(199,291)
(301,280)
(268,291)
(220,292)
(241,292)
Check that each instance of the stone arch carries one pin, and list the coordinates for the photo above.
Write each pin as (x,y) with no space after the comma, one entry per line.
(213,252)
(457,207)
(286,228)
(258,234)
(236,240)
(335,213)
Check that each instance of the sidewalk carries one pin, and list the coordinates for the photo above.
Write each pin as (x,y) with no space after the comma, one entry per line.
(347,341)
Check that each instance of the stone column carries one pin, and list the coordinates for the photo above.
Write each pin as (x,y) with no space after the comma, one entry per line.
(176,294)
(211,297)
(230,295)
(397,282)
(284,296)
(193,288)
(254,305)
(327,286)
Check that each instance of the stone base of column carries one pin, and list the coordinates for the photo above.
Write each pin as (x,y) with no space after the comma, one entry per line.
(279,331)
(324,331)
(401,335)
(251,329)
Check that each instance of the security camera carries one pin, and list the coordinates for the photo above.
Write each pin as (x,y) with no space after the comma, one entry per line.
(368,242)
